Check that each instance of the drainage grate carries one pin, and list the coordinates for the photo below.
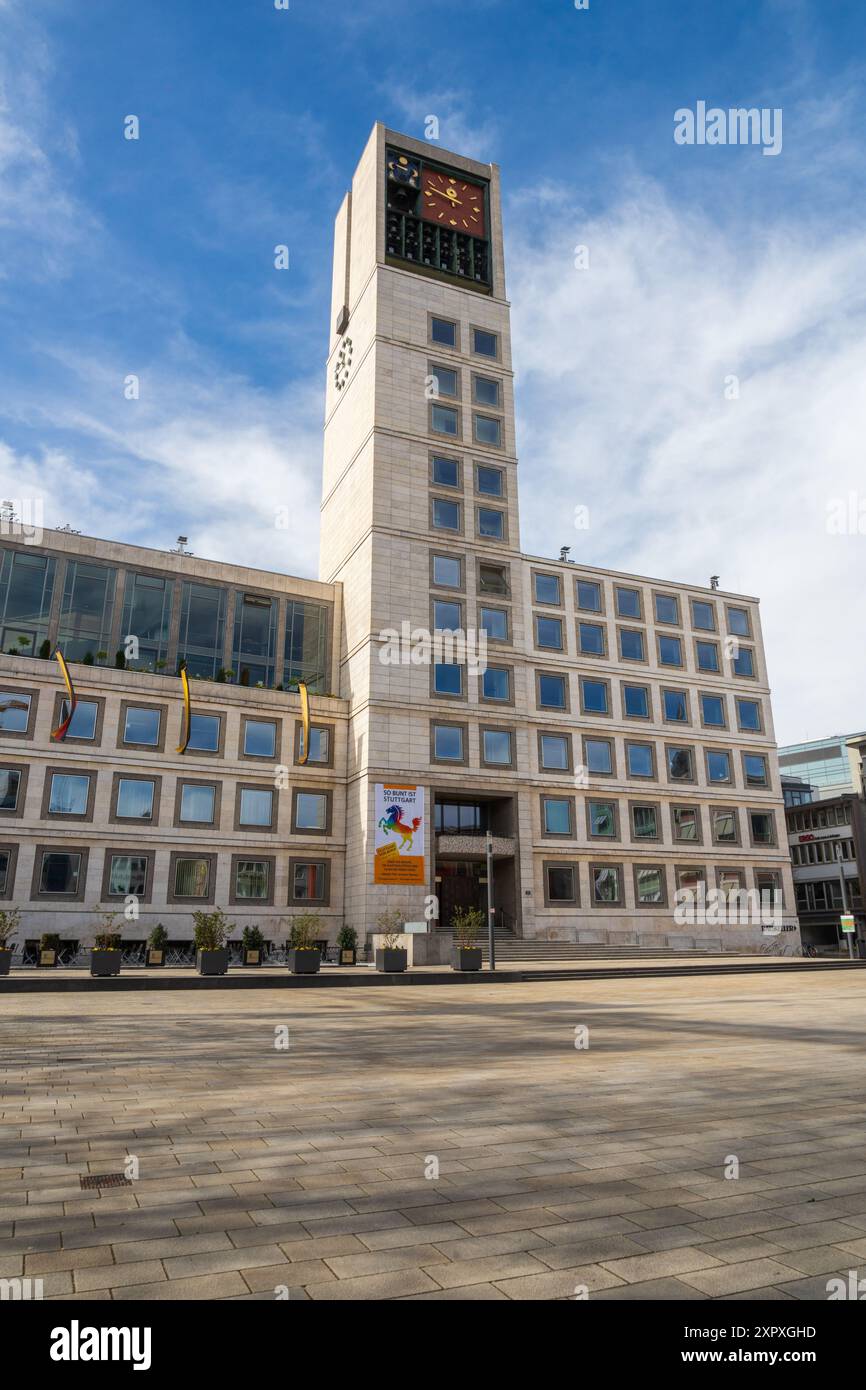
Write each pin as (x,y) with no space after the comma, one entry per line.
(104,1180)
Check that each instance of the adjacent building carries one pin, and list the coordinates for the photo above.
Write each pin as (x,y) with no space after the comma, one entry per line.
(612,732)
(831,766)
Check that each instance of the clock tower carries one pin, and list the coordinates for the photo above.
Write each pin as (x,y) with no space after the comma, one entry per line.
(419,504)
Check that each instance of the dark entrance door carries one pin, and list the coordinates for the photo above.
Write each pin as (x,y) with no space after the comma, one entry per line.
(460,888)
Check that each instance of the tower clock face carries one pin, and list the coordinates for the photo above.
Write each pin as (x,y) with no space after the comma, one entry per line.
(452,203)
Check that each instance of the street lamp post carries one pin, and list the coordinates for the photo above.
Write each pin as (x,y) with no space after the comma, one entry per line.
(837,851)
(491,940)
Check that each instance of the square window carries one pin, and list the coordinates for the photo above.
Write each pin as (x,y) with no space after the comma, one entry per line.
(447,679)
(252,878)
(589,595)
(602,819)
(593,696)
(598,756)
(197,803)
(127,874)
(443,381)
(60,873)
(320,744)
(703,615)
(493,579)
(548,633)
(446,472)
(557,815)
(10,785)
(605,884)
(743,663)
(443,331)
(667,608)
(494,621)
(707,656)
(749,715)
(444,420)
(491,523)
(755,768)
(488,480)
(447,572)
(547,588)
(560,883)
(256,806)
(311,811)
(724,826)
(308,882)
(554,750)
(689,879)
(496,683)
(487,390)
(718,766)
(551,692)
(738,622)
(191,878)
(448,743)
(670,651)
(488,430)
(644,823)
(84,718)
(763,828)
(260,738)
(650,884)
(686,823)
(69,794)
(635,701)
(627,602)
(14,712)
(204,733)
(676,706)
(680,765)
(713,711)
(640,760)
(446,514)
(141,726)
(446,616)
(631,645)
(496,746)
(485,344)
(591,639)
(134,799)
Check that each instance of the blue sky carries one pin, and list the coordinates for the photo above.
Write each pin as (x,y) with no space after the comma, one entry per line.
(155,257)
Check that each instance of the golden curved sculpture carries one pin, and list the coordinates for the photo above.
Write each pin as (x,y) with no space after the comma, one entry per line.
(59,733)
(305,717)
(187,712)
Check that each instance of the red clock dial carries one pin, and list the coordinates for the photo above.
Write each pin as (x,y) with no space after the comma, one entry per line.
(452,203)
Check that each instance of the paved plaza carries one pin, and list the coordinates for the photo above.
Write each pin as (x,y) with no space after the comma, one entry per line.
(310,1171)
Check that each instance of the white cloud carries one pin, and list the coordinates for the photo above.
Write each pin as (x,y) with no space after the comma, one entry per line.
(622,407)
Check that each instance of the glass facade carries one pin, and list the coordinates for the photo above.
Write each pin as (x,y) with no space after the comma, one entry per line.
(202,629)
(86,611)
(146,616)
(306,654)
(254,642)
(26,591)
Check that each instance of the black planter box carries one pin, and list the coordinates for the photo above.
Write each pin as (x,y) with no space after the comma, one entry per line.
(391,959)
(347,956)
(104,962)
(466,958)
(305,962)
(252,955)
(5,962)
(212,962)
(155,957)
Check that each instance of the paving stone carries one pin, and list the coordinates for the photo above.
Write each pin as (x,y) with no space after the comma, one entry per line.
(724,1279)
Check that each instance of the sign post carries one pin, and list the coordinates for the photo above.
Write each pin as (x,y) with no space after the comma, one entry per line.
(846,922)
(491,910)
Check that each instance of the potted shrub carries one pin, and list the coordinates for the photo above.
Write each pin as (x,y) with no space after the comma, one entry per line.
(254,945)
(105,954)
(390,957)
(211,930)
(466,924)
(156,944)
(8,927)
(49,948)
(304,957)
(347,942)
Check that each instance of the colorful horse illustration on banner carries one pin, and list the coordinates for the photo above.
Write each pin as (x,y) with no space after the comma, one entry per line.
(393,824)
